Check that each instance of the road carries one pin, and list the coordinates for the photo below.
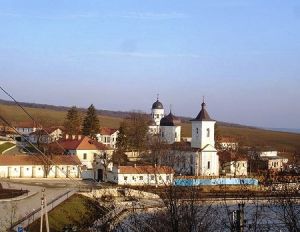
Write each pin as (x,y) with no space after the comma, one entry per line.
(53,189)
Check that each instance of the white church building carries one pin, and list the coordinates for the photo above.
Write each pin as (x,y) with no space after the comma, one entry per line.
(199,157)
(157,113)
(166,127)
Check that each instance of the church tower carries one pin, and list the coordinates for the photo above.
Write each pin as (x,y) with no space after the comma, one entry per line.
(157,112)
(170,129)
(203,129)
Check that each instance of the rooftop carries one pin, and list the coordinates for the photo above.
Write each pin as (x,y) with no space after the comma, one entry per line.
(81,143)
(38,160)
(149,169)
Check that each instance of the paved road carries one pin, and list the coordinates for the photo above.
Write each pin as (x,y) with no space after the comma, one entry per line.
(54,188)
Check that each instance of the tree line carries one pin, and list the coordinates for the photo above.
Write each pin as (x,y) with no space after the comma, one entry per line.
(76,124)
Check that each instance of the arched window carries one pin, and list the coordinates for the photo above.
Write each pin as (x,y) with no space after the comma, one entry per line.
(208,132)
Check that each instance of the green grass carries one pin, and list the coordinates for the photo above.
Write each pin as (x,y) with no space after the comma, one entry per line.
(77,210)
(5,146)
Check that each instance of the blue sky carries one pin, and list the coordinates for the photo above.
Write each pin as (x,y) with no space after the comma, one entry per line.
(242,55)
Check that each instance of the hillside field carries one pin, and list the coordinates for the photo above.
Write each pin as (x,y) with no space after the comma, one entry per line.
(282,141)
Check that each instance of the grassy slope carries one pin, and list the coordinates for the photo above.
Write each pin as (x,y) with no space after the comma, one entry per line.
(246,136)
(5,146)
(77,210)
(48,117)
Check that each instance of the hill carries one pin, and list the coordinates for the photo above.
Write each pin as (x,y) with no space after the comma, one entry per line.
(49,115)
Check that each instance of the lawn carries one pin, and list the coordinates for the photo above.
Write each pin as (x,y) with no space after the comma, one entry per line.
(77,211)
(5,146)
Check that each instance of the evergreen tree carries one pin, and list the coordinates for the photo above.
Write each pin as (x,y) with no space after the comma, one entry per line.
(91,124)
(72,122)
(122,140)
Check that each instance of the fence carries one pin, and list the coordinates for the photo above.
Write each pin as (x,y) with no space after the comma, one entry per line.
(216,181)
(36,214)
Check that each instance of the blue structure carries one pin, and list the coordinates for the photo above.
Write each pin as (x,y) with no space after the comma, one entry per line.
(215,181)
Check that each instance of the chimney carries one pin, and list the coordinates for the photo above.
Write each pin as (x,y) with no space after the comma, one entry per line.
(73,137)
(79,137)
(67,136)
(134,165)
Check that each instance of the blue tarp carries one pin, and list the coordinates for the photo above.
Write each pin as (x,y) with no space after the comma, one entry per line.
(216,181)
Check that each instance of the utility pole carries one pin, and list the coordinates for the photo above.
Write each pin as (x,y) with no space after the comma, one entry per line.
(238,218)
(44,211)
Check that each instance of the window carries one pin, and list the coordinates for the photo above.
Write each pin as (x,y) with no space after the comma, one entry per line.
(162,134)
(141,178)
(208,165)
(108,139)
(125,177)
(152,177)
(95,155)
(157,116)
(133,178)
(197,130)
(27,169)
(175,135)
(207,132)
(160,178)
(84,156)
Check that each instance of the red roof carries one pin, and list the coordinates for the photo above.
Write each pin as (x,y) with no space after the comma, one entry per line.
(107,131)
(145,169)
(25,124)
(38,160)
(83,143)
(45,131)
(228,139)
(227,156)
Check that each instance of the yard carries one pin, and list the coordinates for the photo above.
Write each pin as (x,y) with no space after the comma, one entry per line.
(77,211)
(5,146)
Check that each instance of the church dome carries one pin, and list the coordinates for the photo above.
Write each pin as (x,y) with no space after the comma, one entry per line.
(157,105)
(203,115)
(169,120)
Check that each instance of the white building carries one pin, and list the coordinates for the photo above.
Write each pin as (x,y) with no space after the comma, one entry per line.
(141,175)
(47,135)
(27,127)
(273,161)
(31,166)
(108,136)
(89,152)
(228,143)
(200,156)
(170,129)
(232,164)
(157,113)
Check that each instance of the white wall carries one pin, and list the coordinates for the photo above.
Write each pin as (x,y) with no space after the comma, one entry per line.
(157,115)
(268,153)
(168,133)
(37,171)
(140,178)
(200,134)
(211,169)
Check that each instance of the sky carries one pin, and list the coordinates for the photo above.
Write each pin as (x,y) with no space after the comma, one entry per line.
(242,55)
